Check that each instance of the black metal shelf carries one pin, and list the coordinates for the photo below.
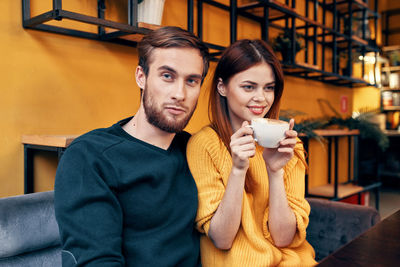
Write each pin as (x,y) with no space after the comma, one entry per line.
(386,29)
(109,31)
(390,89)
(334,190)
(316,34)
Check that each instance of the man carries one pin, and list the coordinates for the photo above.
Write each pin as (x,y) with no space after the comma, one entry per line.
(124,195)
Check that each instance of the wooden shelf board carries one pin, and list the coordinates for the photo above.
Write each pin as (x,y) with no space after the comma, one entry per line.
(391,132)
(343,190)
(343,6)
(333,132)
(391,68)
(49,140)
(391,108)
(307,65)
(390,48)
(136,37)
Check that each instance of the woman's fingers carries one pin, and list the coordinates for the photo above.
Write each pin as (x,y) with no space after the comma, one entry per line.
(288,142)
(291,124)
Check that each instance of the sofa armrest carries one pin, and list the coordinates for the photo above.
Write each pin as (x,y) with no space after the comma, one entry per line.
(27,223)
(334,224)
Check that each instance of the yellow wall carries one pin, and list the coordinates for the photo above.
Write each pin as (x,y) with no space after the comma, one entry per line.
(54,84)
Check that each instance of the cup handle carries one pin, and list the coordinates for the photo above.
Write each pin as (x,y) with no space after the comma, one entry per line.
(251,127)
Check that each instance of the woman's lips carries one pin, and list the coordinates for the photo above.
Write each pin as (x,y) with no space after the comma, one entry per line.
(257,110)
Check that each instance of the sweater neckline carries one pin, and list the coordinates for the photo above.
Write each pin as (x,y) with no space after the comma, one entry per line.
(122,133)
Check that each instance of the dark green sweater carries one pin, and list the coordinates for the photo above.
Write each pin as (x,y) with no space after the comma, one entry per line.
(123,202)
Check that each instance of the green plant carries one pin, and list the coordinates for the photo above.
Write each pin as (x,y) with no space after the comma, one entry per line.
(394,58)
(361,122)
(283,42)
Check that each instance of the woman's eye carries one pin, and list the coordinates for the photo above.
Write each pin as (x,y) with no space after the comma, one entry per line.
(248,87)
(270,88)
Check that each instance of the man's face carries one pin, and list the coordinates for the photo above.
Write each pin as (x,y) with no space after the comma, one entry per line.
(172,87)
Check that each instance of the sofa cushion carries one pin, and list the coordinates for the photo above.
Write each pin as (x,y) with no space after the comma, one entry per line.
(334,224)
(48,257)
(27,223)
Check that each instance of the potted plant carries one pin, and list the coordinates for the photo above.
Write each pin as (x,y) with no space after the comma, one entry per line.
(150,11)
(394,57)
(361,121)
(283,44)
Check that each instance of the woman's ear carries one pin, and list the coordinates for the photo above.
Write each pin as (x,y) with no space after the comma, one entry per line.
(140,77)
(221,87)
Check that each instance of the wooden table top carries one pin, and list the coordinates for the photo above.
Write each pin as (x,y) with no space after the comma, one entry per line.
(334,132)
(379,246)
(48,140)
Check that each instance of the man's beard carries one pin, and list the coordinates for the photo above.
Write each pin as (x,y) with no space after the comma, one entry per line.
(155,116)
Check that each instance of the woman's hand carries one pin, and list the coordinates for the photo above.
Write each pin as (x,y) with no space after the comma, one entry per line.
(242,147)
(276,158)
(225,222)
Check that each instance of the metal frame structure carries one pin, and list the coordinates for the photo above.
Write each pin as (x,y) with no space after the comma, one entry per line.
(352,174)
(387,30)
(29,153)
(273,11)
(58,13)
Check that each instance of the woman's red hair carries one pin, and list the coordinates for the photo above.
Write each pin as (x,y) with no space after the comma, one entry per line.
(239,57)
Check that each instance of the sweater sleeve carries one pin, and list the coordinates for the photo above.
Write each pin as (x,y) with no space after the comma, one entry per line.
(294,179)
(202,156)
(87,211)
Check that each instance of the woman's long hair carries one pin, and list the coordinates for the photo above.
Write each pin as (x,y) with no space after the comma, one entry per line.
(239,57)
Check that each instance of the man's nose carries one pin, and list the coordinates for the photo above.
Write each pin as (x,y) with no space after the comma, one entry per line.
(179,90)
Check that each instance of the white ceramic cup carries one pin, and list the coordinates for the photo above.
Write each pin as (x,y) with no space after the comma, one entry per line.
(269,132)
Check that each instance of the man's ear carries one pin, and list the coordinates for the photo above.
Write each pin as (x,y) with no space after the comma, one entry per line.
(140,77)
(221,87)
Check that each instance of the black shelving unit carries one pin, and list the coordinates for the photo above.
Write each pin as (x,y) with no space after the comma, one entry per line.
(319,33)
(390,90)
(110,31)
(335,190)
(386,29)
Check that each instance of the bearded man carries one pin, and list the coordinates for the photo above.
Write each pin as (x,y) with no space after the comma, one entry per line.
(124,195)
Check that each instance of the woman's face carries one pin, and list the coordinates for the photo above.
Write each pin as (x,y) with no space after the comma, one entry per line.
(250,94)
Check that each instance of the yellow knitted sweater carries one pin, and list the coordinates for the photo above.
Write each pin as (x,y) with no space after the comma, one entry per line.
(210,164)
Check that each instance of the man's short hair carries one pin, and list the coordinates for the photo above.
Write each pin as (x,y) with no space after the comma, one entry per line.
(170,37)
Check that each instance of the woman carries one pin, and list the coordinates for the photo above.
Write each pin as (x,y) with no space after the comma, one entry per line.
(251,199)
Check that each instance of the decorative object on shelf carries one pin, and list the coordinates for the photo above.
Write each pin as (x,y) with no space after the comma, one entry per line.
(150,11)
(362,121)
(346,69)
(283,44)
(394,81)
(387,99)
(360,23)
(394,57)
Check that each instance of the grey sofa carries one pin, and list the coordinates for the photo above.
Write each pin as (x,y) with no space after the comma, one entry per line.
(334,224)
(29,233)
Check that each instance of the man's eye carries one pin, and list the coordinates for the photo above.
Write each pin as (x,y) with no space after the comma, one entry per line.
(192,82)
(167,76)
